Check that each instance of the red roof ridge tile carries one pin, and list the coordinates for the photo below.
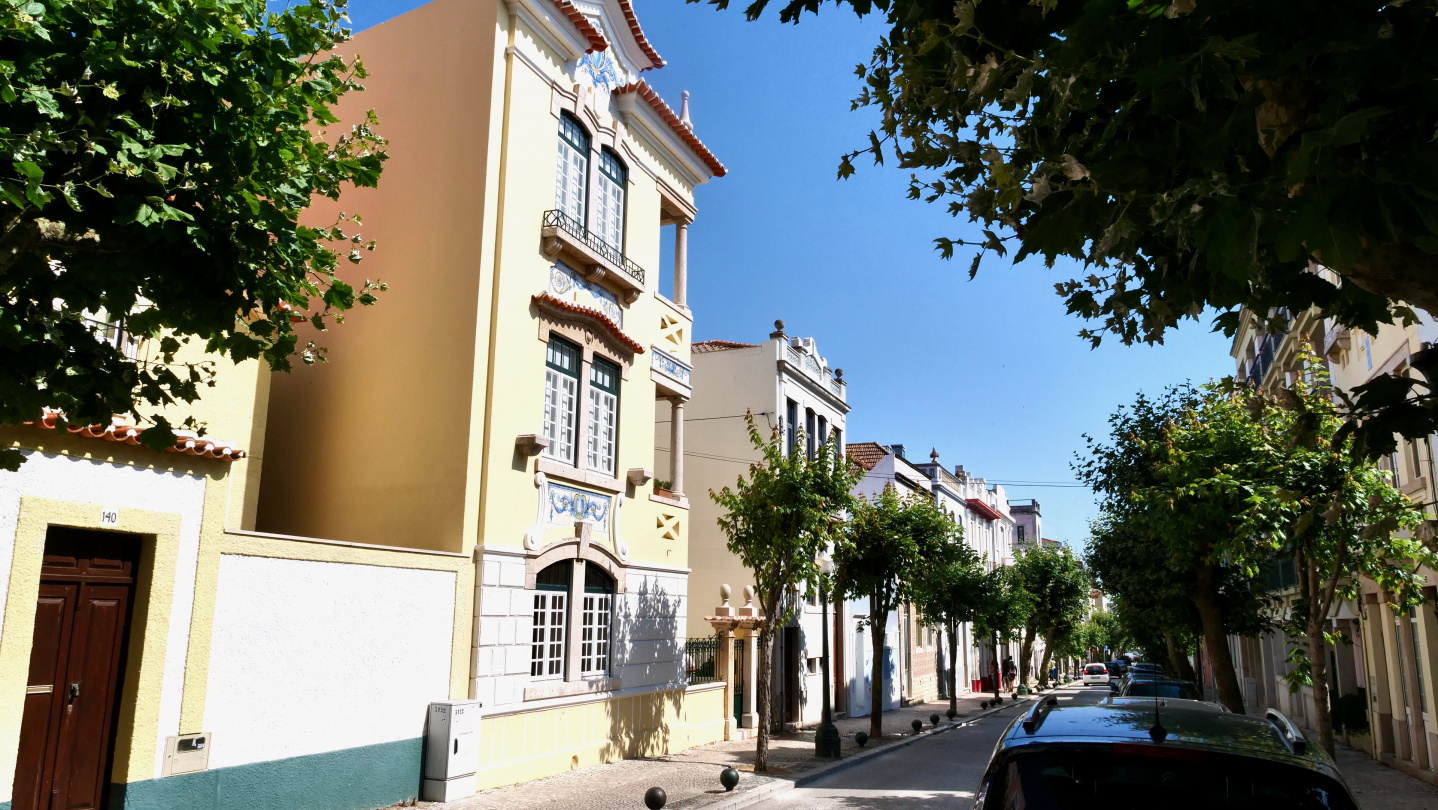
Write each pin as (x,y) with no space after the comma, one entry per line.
(704,346)
(545,299)
(647,93)
(121,431)
(627,6)
(597,42)
(866,454)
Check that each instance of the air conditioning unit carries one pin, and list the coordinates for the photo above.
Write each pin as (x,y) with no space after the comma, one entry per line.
(451,750)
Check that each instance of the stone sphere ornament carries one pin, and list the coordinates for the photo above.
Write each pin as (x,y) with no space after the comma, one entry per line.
(951,713)
(655,797)
(918,725)
(934,719)
(861,738)
(984,704)
(728,778)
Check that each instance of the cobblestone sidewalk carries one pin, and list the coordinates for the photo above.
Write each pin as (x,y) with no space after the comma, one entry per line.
(691,778)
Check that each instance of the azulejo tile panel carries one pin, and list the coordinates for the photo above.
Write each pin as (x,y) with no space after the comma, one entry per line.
(669,366)
(566,283)
(567,505)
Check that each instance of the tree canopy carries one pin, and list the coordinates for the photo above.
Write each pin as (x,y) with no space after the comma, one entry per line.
(951,593)
(777,520)
(1189,155)
(1060,590)
(161,154)
(889,545)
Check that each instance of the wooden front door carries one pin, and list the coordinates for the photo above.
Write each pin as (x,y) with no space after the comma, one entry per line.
(82,620)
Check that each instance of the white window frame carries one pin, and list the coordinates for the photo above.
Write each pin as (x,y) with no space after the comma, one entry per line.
(597,621)
(603,414)
(571,174)
(561,399)
(547,639)
(610,201)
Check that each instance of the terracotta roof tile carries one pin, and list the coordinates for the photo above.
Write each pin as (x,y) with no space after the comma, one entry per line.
(602,320)
(120,431)
(655,60)
(597,42)
(866,454)
(705,346)
(647,93)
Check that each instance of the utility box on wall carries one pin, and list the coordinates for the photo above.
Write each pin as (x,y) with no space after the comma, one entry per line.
(187,753)
(451,750)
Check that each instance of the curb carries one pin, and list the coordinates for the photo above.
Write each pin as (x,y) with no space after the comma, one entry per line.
(773,789)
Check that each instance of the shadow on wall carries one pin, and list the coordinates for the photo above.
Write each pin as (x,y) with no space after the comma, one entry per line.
(648,650)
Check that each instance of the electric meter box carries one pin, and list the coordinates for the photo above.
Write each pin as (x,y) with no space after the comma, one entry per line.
(451,750)
(187,753)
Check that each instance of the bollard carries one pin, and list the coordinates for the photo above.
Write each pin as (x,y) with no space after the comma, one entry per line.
(934,719)
(861,738)
(951,713)
(728,778)
(918,725)
(655,797)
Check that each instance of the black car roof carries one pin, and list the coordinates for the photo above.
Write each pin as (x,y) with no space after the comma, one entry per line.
(1189,724)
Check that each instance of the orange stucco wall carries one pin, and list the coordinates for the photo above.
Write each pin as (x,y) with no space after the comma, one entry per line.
(375,445)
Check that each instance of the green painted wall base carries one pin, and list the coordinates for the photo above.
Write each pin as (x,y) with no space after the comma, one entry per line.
(352,779)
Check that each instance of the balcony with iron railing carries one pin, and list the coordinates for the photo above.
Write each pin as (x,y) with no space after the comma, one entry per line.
(596,258)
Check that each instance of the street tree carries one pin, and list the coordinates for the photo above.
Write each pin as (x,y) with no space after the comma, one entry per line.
(1002,614)
(777,520)
(1059,590)
(1300,495)
(1143,532)
(890,543)
(160,158)
(950,592)
(1190,156)
(1100,633)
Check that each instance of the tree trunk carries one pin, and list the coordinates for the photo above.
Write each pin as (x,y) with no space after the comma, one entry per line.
(877,619)
(953,668)
(1318,660)
(1178,659)
(1026,653)
(1215,638)
(1044,664)
(763,694)
(998,666)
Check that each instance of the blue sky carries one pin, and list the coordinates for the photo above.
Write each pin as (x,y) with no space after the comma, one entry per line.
(990,372)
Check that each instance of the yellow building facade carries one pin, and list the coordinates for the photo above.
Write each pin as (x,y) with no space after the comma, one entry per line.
(461,504)
(501,400)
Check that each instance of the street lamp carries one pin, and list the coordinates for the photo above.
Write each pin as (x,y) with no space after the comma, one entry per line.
(826,742)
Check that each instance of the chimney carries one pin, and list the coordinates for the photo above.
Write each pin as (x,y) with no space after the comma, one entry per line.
(684,112)
(898,450)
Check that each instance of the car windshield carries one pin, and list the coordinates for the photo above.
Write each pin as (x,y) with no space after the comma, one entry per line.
(1145,775)
(1164,690)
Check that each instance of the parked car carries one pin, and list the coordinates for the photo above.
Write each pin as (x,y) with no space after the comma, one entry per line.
(1095,674)
(1164,753)
(1160,687)
(1143,672)
(1116,671)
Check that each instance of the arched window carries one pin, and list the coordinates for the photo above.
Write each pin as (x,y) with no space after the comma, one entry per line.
(571,179)
(612,184)
(551,611)
(598,605)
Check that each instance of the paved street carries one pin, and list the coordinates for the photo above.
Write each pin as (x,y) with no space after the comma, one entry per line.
(940,772)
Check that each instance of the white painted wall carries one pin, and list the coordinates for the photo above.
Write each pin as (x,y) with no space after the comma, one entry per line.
(124,487)
(309,657)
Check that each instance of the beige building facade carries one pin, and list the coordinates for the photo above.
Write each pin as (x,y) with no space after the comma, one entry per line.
(1385,665)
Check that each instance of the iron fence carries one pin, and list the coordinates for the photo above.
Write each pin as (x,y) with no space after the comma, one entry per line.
(573,227)
(701,659)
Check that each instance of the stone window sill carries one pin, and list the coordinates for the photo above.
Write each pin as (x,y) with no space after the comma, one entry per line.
(598,480)
(681,502)
(556,689)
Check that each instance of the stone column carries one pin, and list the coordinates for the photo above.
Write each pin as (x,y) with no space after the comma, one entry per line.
(749,717)
(676,445)
(1379,697)
(681,264)
(576,621)
(1410,674)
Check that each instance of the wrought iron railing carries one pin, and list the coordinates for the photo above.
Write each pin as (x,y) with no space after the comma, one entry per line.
(701,659)
(575,228)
